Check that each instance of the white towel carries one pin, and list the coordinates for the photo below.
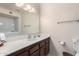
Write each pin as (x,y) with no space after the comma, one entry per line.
(2,37)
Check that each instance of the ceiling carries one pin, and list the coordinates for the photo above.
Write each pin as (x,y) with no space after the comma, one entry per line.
(14,7)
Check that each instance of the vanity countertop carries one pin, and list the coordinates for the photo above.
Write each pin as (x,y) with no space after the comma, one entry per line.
(12,46)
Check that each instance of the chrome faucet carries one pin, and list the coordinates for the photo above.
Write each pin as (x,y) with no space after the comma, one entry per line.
(2,41)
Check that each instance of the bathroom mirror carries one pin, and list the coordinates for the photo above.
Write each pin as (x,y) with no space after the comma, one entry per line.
(31,20)
(8,23)
(27,22)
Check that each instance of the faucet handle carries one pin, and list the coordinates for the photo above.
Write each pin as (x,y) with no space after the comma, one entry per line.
(3,41)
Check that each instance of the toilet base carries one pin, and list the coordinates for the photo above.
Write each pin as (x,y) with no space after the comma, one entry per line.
(67,54)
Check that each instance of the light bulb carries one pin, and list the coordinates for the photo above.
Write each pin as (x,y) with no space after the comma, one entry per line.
(28,7)
(32,10)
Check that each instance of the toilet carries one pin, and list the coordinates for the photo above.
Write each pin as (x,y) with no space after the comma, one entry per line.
(76,46)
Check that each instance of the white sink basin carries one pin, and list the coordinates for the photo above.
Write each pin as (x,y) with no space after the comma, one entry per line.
(15,38)
(21,37)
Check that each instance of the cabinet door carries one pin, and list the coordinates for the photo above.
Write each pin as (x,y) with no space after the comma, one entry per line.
(34,48)
(24,54)
(42,51)
(36,53)
(21,52)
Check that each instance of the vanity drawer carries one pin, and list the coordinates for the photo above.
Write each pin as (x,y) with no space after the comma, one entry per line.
(25,53)
(33,48)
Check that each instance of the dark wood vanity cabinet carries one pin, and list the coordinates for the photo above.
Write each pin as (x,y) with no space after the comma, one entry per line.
(40,48)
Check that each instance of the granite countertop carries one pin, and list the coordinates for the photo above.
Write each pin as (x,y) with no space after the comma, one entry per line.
(12,46)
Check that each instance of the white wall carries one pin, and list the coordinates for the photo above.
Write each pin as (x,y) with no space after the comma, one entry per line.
(50,15)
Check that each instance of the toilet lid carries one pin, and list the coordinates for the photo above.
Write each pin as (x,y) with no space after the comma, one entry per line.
(76,46)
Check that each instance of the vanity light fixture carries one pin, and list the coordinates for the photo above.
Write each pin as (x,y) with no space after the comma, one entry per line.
(32,10)
(27,7)
(19,4)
